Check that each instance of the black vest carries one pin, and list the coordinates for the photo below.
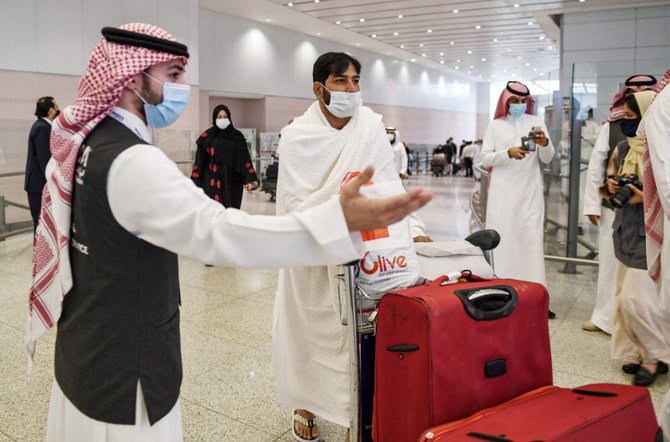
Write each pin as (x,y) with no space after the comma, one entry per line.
(120,321)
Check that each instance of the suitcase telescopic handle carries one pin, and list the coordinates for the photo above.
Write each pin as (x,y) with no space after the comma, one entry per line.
(488,303)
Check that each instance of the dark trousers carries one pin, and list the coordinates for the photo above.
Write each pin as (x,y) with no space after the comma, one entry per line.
(467,163)
(35,203)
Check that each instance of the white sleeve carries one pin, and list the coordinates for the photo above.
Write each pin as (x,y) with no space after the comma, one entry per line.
(153,200)
(656,126)
(595,173)
(546,153)
(490,157)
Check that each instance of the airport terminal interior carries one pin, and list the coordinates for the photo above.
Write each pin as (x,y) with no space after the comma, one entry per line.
(433,70)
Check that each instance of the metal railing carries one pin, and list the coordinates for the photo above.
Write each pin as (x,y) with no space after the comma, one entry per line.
(17,228)
(478,209)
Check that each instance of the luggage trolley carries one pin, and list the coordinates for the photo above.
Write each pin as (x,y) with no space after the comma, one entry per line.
(358,312)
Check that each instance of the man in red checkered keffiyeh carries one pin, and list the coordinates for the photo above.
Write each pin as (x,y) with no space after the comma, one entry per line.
(110,68)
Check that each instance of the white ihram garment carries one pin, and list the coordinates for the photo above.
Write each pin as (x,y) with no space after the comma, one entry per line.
(603,312)
(656,127)
(309,343)
(515,206)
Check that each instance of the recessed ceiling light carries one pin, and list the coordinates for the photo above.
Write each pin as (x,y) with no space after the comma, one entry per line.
(472,67)
(413,60)
(441,61)
(479,76)
(493,76)
(519,57)
(530,23)
(483,58)
(458,61)
(505,70)
(374,35)
(469,52)
(338,22)
(423,55)
(469,72)
(582,1)
(289,5)
(318,33)
(541,74)
(456,67)
(441,53)
(541,37)
(395,33)
(495,40)
(402,46)
(516,5)
(534,69)
(527,64)
(400,16)
(455,11)
(421,45)
(430,31)
(478,27)
(550,47)
(451,42)
(358,44)
(361,20)
(316,1)
(267,19)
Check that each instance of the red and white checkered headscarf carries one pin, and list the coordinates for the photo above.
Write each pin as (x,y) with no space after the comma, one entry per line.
(514,88)
(653,211)
(636,83)
(110,68)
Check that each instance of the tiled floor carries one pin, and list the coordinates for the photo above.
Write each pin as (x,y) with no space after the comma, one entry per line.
(228,392)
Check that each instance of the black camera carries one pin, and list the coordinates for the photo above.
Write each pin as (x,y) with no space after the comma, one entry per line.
(528,143)
(624,193)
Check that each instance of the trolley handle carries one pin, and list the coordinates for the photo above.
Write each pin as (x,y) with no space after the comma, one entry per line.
(489,303)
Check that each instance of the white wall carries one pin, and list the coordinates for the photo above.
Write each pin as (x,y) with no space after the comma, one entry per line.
(609,46)
(58,36)
(243,56)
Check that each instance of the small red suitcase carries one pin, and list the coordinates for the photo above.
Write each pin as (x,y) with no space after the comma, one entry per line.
(447,351)
(595,412)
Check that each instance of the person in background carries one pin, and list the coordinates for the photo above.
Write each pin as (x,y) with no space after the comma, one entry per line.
(223,166)
(515,205)
(39,154)
(399,152)
(598,209)
(468,156)
(637,337)
(655,129)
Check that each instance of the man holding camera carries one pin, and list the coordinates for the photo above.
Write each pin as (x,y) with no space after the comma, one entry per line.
(514,144)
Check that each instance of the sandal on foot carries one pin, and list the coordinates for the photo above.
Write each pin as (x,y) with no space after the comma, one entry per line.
(309,423)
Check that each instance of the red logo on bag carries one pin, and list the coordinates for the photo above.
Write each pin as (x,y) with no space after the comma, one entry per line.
(382,264)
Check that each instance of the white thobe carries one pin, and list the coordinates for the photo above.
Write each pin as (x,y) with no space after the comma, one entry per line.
(656,127)
(515,206)
(400,157)
(151,198)
(603,312)
(309,343)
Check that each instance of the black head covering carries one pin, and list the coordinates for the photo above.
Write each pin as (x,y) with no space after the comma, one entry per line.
(215,113)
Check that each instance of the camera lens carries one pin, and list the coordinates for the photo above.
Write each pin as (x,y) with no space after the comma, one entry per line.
(620,198)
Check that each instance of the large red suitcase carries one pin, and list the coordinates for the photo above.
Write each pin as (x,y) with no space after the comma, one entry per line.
(447,351)
(596,412)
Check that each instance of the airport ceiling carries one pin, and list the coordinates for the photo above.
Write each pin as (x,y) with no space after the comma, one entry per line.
(476,39)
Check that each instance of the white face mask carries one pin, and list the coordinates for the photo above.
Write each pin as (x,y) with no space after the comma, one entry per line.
(343,104)
(222,123)
(391,137)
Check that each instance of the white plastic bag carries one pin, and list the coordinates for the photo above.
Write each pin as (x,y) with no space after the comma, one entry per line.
(390,261)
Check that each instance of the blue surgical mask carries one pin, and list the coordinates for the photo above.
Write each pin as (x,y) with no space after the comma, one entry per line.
(516,110)
(163,114)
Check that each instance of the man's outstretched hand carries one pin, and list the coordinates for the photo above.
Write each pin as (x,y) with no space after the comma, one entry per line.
(364,213)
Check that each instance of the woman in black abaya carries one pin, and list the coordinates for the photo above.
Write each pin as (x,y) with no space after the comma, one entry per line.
(223,165)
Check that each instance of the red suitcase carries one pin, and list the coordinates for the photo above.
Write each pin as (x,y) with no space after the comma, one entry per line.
(447,351)
(595,412)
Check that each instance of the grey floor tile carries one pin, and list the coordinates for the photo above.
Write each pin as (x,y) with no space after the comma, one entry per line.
(24,405)
(207,425)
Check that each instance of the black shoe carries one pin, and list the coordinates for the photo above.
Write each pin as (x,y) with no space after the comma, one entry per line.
(661,368)
(631,368)
(644,377)
(552,315)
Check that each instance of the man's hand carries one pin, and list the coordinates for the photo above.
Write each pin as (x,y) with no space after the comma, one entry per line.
(422,238)
(516,153)
(363,213)
(637,197)
(251,186)
(612,186)
(541,139)
(594,219)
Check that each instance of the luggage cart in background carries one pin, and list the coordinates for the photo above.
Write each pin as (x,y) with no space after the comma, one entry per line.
(358,312)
